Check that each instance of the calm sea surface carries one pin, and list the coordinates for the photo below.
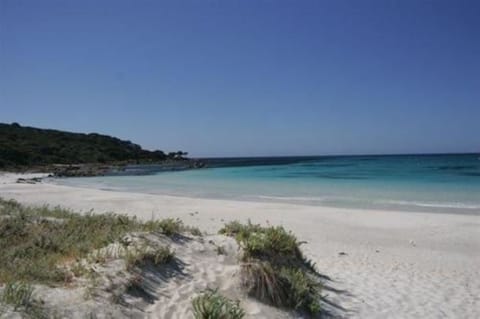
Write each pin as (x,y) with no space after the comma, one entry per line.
(438,183)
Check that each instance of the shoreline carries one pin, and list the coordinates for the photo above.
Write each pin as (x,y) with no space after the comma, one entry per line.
(105,169)
(417,264)
(419,208)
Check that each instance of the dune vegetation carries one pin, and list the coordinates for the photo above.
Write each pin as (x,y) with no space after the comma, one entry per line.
(37,242)
(211,304)
(55,247)
(274,269)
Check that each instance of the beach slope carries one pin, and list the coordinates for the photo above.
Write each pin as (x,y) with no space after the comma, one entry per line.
(381,264)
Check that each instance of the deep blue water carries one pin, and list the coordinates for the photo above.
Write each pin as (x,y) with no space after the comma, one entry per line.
(439,183)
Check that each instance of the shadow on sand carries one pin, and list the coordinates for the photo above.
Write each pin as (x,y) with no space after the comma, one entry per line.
(145,289)
(331,309)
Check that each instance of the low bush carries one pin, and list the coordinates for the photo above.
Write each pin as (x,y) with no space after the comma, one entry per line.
(147,255)
(211,305)
(168,226)
(17,294)
(274,269)
(37,242)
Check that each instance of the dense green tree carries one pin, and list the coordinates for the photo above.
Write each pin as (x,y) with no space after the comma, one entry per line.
(29,146)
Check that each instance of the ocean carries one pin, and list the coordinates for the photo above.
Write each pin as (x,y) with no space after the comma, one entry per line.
(431,183)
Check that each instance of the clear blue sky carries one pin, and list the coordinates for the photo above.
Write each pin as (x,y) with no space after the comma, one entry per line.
(229,78)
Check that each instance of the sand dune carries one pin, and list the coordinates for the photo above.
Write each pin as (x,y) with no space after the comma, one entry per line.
(382,264)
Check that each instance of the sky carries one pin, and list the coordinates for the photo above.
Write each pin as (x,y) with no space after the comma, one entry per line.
(248,77)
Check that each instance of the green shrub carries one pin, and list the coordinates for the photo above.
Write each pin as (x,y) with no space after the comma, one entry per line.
(37,242)
(303,290)
(17,294)
(239,230)
(155,256)
(266,243)
(274,269)
(168,226)
(211,305)
(195,231)
(271,242)
(263,282)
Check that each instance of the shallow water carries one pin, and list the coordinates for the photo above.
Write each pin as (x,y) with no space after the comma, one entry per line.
(436,183)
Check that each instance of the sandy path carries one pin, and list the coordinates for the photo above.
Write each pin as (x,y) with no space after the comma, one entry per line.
(396,264)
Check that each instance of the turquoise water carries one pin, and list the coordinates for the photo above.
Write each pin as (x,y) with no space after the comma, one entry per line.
(438,183)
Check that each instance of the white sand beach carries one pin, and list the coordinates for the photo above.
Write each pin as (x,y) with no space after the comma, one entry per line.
(381,264)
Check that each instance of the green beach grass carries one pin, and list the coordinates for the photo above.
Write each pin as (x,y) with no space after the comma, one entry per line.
(49,246)
(274,269)
(210,304)
(38,242)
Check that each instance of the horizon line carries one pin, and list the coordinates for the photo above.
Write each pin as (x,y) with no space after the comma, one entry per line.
(336,155)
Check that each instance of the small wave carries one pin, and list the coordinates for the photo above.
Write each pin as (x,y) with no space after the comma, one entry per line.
(347,177)
(455,167)
(380,202)
(324,165)
(295,198)
(324,176)
(429,204)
